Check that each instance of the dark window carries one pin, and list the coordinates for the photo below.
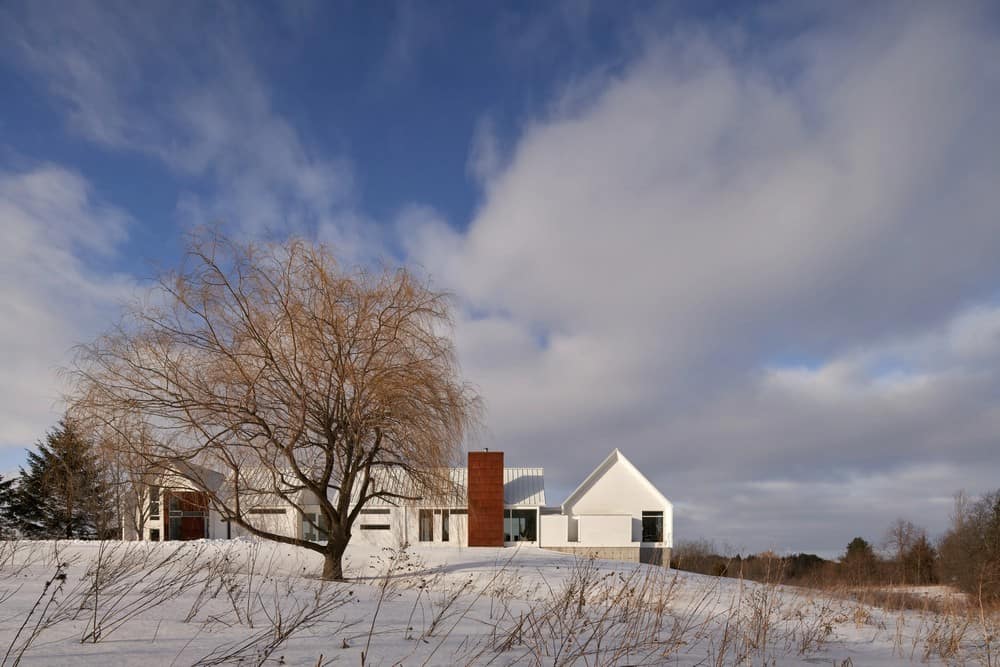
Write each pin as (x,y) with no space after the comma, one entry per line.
(519,525)
(187,515)
(378,511)
(154,503)
(154,534)
(426,526)
(652,526)
(460,511)
(314,527)
(374,526)
(445,528)
(266,510)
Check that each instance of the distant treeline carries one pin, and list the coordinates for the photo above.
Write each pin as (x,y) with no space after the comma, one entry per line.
(967,556)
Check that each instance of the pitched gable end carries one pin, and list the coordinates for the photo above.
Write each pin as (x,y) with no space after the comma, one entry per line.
(615,470)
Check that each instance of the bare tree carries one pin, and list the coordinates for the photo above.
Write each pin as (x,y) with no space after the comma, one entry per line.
(291,377)
(124,447)
(899,538)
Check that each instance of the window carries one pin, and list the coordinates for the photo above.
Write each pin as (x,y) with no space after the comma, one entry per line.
(266,510)
(652,526)
(186,515)
(445,528)
(460,511)
(426,526)
(154,534)
(154,503)
(378,511)
(519,525)
(374,526)
(314,528)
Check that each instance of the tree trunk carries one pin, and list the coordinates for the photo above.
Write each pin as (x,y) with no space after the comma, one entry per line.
(333,561)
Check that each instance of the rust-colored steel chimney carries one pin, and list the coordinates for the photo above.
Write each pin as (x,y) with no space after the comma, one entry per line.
(485,499)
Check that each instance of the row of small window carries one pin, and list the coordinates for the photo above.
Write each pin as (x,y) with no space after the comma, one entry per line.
(315,527)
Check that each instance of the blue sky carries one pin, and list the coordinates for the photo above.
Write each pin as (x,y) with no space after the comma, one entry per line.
(752,245)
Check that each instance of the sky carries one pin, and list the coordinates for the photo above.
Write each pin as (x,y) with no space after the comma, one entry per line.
(753,246)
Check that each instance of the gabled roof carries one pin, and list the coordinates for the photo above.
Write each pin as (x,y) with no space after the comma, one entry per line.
(615,457)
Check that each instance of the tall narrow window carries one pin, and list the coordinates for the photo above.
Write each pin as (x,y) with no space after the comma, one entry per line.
(445,528)
(426,525)
(314,527)
(652,526)
(154,503)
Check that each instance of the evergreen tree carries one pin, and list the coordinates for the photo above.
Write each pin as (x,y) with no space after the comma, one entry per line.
(62,494)
(859,561)
(7,519)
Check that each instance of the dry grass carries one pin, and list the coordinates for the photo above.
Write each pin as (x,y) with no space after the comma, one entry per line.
(591,613)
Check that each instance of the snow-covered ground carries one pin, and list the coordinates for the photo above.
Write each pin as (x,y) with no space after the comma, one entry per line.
(248,602)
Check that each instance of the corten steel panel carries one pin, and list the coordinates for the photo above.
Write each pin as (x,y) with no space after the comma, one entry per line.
(485,494)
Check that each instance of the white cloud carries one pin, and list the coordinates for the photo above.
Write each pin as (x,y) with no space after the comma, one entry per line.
(52,231)
(484,155)
(169,83)
(663,235)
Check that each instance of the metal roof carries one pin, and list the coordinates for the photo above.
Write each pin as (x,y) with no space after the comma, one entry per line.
(521,486)
(524,486)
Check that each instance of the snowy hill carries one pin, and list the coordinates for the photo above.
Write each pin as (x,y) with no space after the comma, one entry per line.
(248,602)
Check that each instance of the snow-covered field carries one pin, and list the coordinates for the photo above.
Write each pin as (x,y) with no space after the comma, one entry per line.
(248,602)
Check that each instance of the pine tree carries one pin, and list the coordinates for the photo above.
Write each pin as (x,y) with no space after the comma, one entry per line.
(7,519)
(859,561)
(62,493)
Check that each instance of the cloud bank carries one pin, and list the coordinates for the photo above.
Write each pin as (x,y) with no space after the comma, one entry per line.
(760,258)
(54,234)
(762,273)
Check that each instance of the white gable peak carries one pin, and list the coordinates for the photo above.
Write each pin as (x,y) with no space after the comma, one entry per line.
(615,486)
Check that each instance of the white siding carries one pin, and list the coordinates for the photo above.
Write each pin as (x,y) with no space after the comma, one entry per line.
(616,487)
(605,530)
(554,530)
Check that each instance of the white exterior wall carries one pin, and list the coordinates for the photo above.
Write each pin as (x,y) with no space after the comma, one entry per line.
(617,488)
(458,528)
(605,530)
(616,492)
(217,529)
(404,528)
(286,523)
(395,536)
(553,530)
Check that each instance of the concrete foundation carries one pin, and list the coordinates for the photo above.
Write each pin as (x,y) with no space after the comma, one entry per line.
(651,555)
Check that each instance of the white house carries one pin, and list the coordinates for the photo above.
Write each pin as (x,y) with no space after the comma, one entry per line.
(615,513)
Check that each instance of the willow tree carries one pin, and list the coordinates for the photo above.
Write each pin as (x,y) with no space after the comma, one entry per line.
(287,377)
